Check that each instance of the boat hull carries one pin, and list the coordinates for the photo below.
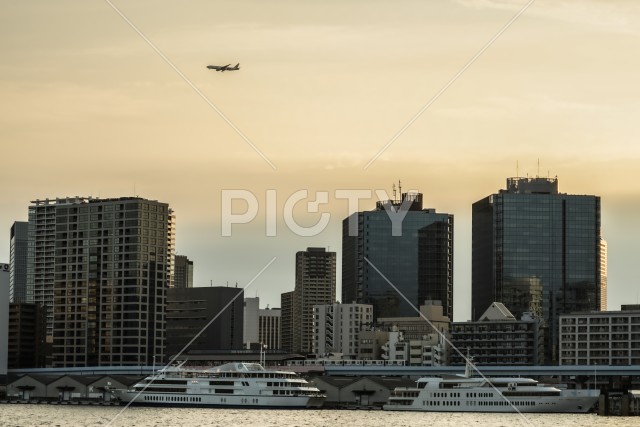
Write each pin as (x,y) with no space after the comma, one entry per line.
(218,401)
(575,403)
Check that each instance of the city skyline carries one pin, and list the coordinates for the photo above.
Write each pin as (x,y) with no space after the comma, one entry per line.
(88,108)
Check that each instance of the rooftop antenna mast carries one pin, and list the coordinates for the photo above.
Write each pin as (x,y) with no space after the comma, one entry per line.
(538,176)
(400,188)
(393,186)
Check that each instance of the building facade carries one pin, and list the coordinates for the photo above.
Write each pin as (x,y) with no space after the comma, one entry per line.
(101,267)
(27,336)
(4,319)
(414,253)
(261,326)
(600,338)
(498,338)
(183,277)
(537,250)
(428,350)
(286,321)
(19,238)
(603,275)
(337,327)
(315,285)
(203,319)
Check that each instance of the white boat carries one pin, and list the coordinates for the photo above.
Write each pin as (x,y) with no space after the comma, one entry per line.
(246,385)
(462,393)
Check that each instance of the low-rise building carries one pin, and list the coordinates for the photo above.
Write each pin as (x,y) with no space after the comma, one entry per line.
(498,338)
(601,338)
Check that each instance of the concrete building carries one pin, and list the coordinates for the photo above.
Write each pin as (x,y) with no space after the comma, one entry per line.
(183,277)
(101,268)
(19,238)
(337,327)
(415,327)
(416,340)
(315,285)
(211,315)
(498,338)
(371,342)
(4,319)
(261,326)
(27,336)
(601,338)
(251,321)
(414,253)
(428,350)
(537,250)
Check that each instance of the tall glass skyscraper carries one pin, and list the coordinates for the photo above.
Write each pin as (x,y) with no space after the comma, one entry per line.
(416,258)
(537,250)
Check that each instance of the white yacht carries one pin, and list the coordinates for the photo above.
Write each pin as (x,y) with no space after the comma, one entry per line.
(230,385)
(462,393)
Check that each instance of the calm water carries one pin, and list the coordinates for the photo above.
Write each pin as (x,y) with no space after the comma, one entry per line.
(50,415)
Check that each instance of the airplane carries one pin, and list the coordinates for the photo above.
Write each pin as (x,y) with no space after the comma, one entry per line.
(224,67)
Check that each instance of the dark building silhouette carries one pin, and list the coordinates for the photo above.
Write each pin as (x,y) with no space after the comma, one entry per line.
(27,336)
(183,274)
(286,322)
(19,239)
(537,250)
(189,311)
(415,255)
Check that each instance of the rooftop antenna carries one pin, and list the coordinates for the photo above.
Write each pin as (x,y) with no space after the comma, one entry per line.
(538,176)
(393,186)
(517,169)
(400,188)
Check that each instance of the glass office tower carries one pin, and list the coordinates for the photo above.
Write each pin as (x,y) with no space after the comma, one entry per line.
(418,261)
(537,250)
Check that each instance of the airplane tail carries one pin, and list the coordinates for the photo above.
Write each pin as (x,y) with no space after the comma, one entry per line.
(237,67)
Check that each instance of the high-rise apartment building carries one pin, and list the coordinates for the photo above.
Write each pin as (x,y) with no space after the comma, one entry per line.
(19,238)
(101,268)
(537,250)
(414,252)
(315,285)
(183,277)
